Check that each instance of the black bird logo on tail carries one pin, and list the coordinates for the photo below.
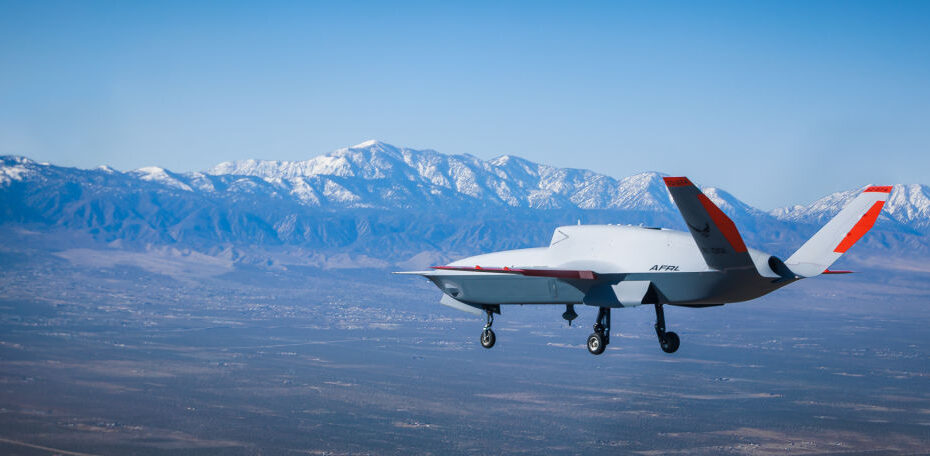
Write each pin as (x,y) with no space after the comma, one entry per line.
(703,232)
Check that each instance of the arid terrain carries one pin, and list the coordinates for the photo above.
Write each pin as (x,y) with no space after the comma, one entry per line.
(114,355)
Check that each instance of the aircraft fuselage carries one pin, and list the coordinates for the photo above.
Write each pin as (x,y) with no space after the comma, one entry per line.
(669,259)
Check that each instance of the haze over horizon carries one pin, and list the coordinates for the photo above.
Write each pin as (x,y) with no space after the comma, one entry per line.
(779,103)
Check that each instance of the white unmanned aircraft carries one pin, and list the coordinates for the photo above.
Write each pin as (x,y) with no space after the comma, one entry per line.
(610,266)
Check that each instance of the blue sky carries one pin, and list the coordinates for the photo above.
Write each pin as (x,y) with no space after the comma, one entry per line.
(777,102)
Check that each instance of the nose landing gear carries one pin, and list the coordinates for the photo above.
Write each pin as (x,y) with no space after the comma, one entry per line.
(487,336)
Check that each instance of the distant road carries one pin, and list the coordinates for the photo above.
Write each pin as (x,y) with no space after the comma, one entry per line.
(49,449)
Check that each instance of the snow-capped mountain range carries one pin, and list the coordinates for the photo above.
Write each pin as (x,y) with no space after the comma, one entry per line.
(379,196)
(908,205)
(375,174)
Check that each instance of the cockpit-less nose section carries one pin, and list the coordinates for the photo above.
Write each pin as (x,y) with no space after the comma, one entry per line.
(611,266)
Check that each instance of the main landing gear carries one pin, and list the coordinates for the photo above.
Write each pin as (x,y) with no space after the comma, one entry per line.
(487,336)
(668,340)
(600,338)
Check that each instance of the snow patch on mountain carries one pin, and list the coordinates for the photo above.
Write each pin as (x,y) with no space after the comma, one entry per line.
(337,193)
(162,176)
(366,144)
(303,191)
(644,192)
(908,204)
(201,182)
(14,168)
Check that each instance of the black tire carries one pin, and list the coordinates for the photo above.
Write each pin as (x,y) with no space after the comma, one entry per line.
(488,338)
(596,344)
(670,342)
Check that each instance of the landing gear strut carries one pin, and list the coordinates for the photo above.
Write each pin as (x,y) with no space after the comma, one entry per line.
(487,336)
(600,338)
(668,340)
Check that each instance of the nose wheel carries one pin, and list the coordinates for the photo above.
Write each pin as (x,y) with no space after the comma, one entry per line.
(600,338)
(487,336)
(668,340)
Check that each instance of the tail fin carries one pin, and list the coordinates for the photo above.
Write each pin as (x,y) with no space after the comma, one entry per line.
(713,232)
(839,234)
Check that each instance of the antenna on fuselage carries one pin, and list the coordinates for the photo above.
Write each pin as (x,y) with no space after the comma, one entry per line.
(579,222)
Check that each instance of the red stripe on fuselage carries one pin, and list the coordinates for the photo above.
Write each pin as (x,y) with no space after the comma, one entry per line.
(556,273)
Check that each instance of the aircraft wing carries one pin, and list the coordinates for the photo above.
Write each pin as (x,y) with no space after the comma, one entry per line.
(715,234)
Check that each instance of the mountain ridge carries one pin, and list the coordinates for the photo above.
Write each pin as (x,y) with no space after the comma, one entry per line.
(380,200)
(507,179)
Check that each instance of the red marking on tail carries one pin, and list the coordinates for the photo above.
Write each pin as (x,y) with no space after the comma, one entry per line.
(862,226)
(724,224)
(883,189)
(677,181)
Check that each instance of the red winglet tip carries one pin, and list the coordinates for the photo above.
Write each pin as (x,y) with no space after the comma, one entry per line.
(827,271)
(677,181)
(879,189)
